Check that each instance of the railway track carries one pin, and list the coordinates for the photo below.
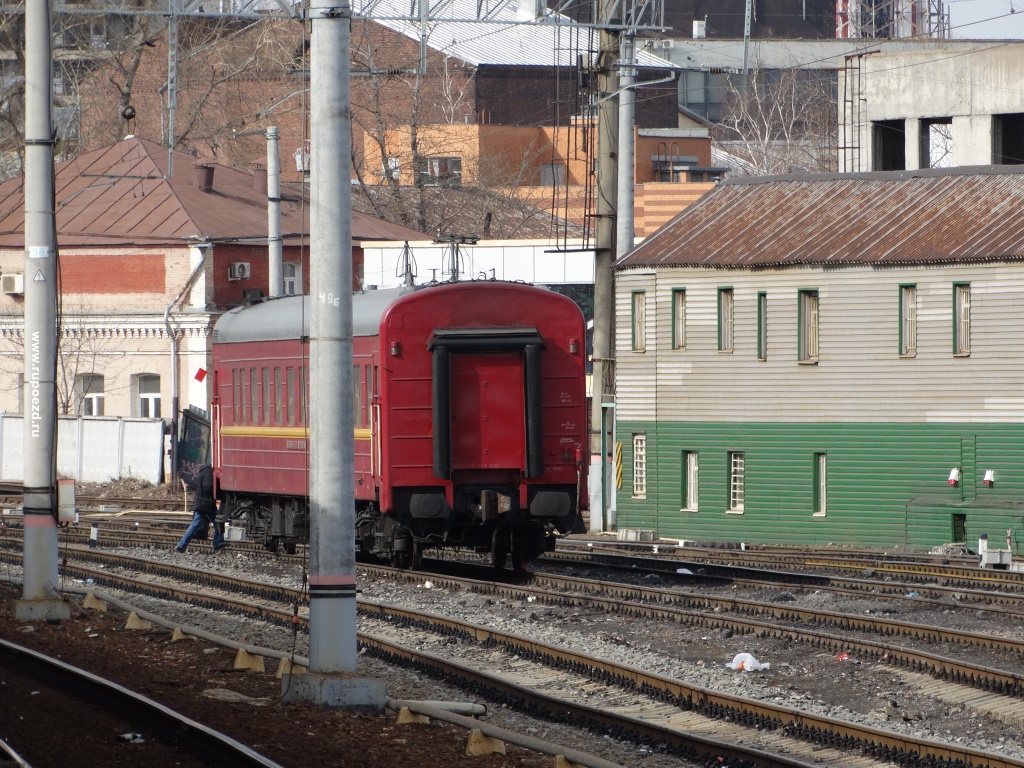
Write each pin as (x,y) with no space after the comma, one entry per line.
(106,723)
(755,715)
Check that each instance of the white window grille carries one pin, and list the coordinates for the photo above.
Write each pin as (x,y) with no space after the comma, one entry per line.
(690,481)
(678,318)
(962,322)
(89,388)
(149,396)
(736,482)
(291,278)
(908,320)
(639,321)
(640,466)
(809,326)
(725,320)
(820,487)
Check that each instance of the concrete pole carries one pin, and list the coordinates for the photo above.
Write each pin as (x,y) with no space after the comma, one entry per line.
(39,595)
(624,229)
(604,251)
(332,576)
(274,244)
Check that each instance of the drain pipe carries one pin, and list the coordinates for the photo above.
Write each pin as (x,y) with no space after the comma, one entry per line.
(203,249)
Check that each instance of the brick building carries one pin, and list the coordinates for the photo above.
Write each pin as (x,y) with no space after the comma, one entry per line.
(147,262)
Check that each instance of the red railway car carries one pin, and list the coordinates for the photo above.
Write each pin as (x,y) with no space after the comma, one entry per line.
(470,419)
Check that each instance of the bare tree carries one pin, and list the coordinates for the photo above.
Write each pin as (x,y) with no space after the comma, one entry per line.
(88,352)
(781,121)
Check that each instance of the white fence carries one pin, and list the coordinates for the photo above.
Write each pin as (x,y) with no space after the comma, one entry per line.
(91,449)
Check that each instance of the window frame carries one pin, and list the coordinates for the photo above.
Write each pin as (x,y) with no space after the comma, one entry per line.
(689,473)
(808,326)
(726,319)
(639,465)
(908,320)
(736,489)
(961,319)
(148,401)
(638,320)
(762,325)
(679,318)
(819,474)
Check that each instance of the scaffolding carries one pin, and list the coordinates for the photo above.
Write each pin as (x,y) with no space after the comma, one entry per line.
(892,19)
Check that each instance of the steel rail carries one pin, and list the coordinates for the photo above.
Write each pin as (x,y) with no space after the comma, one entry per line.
(182,733)
(800,725)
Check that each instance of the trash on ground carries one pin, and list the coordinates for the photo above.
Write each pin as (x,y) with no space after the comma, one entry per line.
(746,663)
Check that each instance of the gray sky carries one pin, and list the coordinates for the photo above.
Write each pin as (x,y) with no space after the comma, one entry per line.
(987,19)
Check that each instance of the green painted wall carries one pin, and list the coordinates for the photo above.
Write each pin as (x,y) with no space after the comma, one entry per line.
(887,484)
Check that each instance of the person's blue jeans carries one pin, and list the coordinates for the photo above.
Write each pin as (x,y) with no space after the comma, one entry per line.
(199,521)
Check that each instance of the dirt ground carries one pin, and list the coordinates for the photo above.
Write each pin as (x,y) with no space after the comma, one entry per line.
(178,674)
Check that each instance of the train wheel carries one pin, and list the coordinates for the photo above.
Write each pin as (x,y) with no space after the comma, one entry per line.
(499,548)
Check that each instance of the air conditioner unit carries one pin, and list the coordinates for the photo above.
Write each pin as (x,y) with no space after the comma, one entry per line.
(12,284)
(239,270)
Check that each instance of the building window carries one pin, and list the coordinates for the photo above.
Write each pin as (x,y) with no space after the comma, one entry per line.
(961,318)
(808,325)
(736,478)
(762,325)
(291,278)
(908,320)
(149,396)
(639,321)
(552,175)
(89,388)
(21,393)
(393,168)
(725,320)
(820,491)
(439,171)
(678,318)
(689,477)
(640,466)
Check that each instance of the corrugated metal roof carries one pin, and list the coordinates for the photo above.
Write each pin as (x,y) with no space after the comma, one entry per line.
(119,195)
(903,217)
(505,37)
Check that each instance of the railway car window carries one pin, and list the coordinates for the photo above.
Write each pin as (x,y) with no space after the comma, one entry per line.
(725,319)
(237,388)
(762,326)
(678,318)
(807,322)
(962,319)
(291,397)
(639,321)
(820,495)
(254,397)
(736,482)
(357,395)
(908,320)
(640,466)
(689,477)
(267,395)
(302,396)
(280,396)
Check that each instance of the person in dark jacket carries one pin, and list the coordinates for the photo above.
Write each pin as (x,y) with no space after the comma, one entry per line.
(204,509)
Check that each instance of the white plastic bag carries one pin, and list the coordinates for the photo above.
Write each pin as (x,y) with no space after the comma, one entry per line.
(746,663)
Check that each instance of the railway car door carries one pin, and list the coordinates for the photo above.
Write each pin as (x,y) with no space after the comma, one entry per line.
(488,411)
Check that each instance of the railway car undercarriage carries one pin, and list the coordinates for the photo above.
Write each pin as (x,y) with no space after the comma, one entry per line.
(490,524)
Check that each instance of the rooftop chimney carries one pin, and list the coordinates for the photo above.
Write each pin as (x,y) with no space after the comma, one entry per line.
(259,178)
(204,176)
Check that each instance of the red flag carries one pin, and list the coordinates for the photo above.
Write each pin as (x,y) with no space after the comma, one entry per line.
(200,374)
